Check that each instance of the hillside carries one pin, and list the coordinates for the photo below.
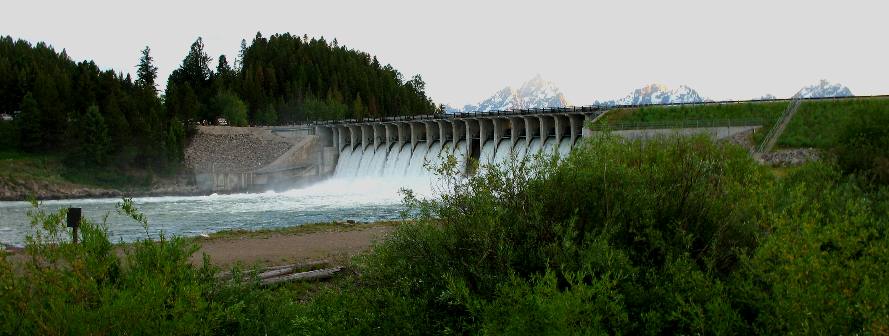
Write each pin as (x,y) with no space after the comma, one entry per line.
(286,78)
(816,124)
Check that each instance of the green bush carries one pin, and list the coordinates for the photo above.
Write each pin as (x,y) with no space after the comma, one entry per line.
(864,148)
(821,267)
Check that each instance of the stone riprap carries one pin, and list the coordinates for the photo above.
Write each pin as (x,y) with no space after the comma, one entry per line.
(233,150)
(790,157)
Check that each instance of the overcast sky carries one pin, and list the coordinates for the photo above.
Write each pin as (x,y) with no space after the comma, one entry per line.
(466,50)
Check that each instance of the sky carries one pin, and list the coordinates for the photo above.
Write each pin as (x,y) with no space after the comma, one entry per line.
(467,50)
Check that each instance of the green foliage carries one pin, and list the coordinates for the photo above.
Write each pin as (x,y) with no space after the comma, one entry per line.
(817,123)
(29,124)
(152,287)
(146,71)
(267,116)
(54,93)
(821,123)
(863,148)
(821,267)
(91,138)
(285,69)
(231,108)
(9,136)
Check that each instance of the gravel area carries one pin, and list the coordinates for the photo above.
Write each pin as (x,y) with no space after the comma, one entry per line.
(232,153)
(790,157)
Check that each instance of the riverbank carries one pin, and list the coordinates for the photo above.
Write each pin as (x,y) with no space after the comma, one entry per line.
(44,177)
(13,189)
(334,243)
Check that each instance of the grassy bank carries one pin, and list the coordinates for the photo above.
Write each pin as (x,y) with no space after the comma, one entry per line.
(297,230)
(23,175)
(676,236)
(818,123)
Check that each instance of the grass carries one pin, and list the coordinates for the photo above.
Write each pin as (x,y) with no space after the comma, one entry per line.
(816,124)
(819,123)
(298,230)
(20,168)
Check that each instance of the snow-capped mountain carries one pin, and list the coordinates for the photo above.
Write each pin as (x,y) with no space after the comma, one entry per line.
(535,93)
(658,94)
(825,89)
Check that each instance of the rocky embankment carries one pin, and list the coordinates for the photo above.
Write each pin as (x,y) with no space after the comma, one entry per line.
(233,150)
(20,190)
(790,157)
(778,158)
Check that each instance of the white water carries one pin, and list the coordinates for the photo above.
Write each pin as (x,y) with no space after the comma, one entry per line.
(365,187)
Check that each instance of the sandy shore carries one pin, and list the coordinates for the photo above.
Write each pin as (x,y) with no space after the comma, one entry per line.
(333,243)
(278,248)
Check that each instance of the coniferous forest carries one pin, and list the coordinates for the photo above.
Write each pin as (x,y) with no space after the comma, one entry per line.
(93,117)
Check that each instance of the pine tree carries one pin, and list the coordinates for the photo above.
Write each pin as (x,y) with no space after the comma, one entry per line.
(146,71)
(96,142)
(239,62)
(358,108)
(29,124)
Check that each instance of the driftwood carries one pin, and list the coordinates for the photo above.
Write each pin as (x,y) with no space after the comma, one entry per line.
(320,274)
(275,270)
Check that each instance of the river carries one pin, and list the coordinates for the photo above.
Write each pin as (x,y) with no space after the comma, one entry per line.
(365,200)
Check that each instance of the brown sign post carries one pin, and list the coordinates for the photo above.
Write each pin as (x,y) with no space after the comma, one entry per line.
(74,222)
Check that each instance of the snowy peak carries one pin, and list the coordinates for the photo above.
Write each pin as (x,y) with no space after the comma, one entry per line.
(659,94)
(535,93)
(825,89)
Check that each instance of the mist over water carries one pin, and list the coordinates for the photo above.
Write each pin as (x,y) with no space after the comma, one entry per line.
(365,187)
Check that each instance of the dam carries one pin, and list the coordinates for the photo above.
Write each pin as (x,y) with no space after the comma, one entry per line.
(396,148)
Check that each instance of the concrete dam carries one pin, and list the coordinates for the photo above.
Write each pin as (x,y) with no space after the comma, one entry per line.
(290,157)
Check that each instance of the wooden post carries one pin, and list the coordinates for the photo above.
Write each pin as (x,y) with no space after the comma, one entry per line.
(74,222)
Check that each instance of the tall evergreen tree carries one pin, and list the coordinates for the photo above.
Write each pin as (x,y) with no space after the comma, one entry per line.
(95,143)
(146,71)
(29,124)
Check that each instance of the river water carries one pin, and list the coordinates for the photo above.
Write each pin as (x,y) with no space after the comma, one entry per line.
(365,187)
(332,200)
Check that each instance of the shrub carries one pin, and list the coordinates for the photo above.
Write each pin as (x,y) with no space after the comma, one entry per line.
(821,266)
(864,148)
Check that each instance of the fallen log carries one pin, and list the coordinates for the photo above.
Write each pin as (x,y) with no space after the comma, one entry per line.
(282,269)
(320,274)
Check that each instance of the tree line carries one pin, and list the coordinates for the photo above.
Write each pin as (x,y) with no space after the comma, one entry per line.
(285,79)
(89,115)
(96,117)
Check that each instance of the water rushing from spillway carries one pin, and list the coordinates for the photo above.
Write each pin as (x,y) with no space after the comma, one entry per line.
(365,187)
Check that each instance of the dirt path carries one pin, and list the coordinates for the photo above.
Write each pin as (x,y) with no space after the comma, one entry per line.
(284,248)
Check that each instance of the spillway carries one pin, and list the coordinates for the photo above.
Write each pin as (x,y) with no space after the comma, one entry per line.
(413,164)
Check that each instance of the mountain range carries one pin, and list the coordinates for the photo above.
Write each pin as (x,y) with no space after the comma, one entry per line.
(540,93)
(535,93)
